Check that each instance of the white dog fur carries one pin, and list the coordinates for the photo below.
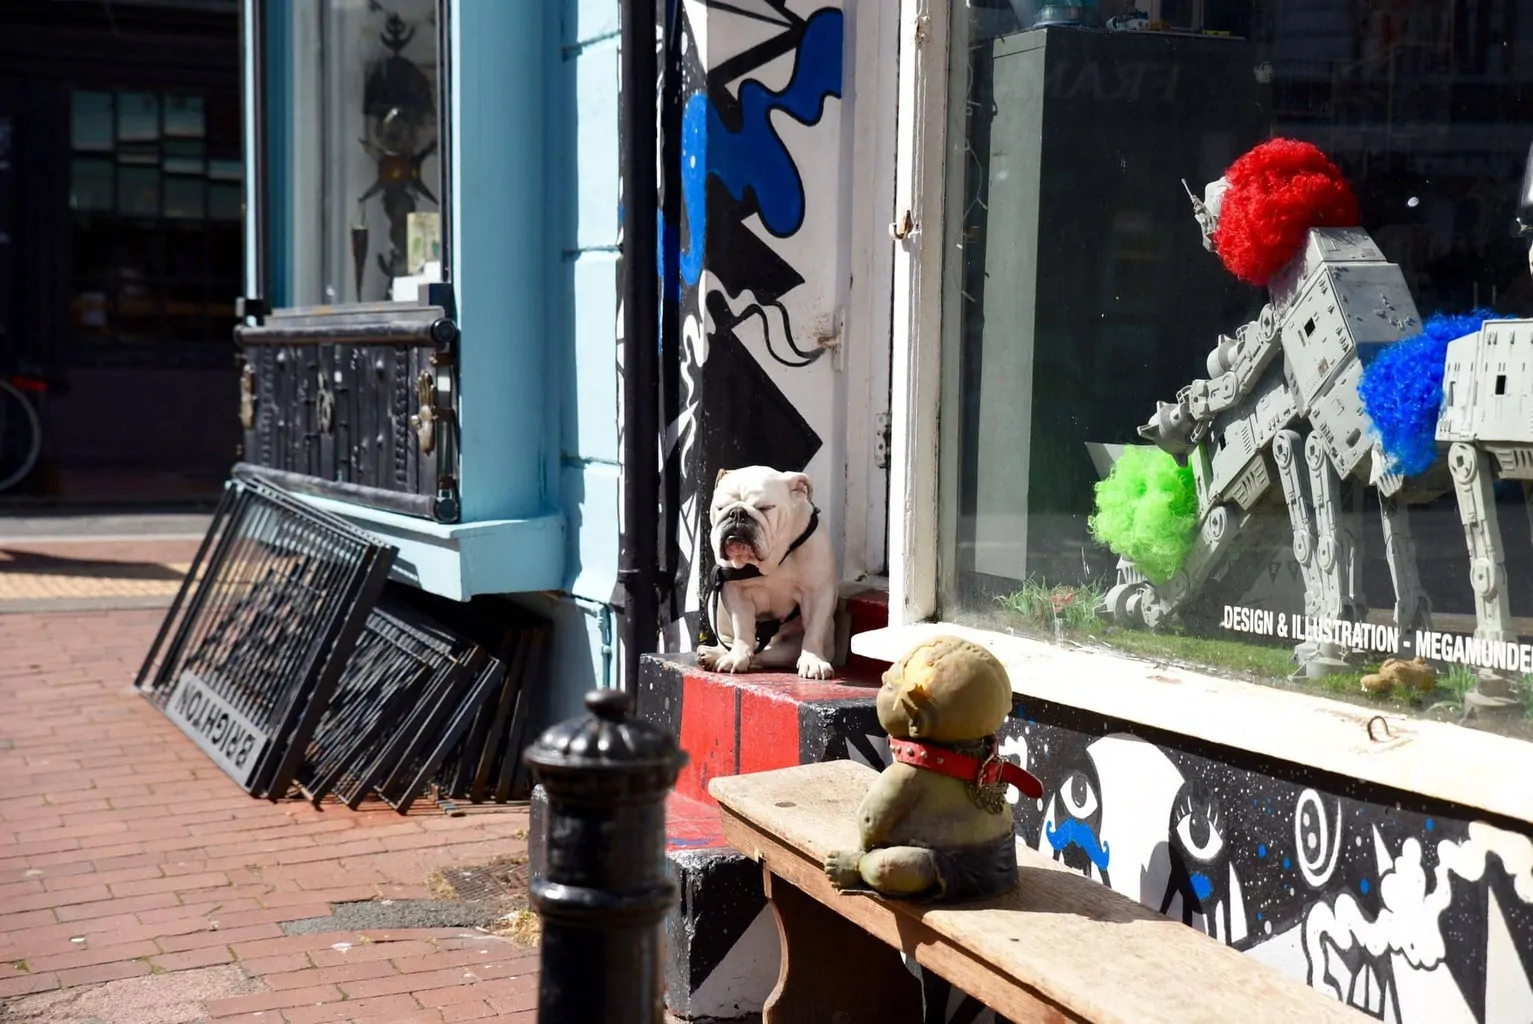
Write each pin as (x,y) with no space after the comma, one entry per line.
(756,516)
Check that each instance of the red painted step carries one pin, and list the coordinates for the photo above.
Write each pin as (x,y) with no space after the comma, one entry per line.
(866,611)
(691,824)
(752,722)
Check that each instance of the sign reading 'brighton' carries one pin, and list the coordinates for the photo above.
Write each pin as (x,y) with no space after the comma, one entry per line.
(223,733)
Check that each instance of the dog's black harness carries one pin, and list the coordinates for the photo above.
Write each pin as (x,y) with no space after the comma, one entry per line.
(766,629)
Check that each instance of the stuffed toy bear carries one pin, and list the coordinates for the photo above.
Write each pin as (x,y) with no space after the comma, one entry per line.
(936,825)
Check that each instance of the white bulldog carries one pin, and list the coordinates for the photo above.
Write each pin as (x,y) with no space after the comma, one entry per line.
(775,564)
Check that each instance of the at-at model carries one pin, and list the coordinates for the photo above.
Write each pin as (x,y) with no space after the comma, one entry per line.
(1486,424)
(1279,424)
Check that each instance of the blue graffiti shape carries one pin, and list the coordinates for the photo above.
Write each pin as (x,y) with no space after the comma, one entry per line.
(1201,886)
(752,158)
(687,842)
(1074,832)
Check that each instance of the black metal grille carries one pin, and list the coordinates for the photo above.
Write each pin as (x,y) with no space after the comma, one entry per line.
(402,653)
(499,772)
(255,642)
(489,762)
(423,704)
(449,722)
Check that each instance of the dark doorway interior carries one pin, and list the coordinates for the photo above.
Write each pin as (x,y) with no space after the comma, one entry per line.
(120,242)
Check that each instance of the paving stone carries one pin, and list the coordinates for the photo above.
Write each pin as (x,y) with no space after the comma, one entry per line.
(149,889)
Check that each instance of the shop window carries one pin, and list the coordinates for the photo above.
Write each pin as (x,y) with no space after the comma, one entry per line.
(1078,293)
(155,205)
(363,222)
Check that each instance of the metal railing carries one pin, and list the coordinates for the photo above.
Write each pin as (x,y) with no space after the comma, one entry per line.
(255,642)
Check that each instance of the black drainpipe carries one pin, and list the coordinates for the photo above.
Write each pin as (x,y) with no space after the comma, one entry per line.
(639,558)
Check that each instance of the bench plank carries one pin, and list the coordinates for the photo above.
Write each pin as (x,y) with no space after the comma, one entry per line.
(1059,947)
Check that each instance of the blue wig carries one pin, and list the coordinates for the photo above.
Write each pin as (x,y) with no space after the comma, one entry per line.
(1402,390)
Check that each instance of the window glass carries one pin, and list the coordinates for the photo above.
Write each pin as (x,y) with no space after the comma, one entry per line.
(91,120)
(140,191)
(366,151)
(138,117)
(155,196)
(91,185)
(1194,449)
(184,117)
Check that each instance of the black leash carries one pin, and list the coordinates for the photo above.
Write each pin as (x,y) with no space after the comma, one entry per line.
(766,629)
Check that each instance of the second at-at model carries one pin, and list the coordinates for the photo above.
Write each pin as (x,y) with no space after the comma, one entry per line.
(1486,424)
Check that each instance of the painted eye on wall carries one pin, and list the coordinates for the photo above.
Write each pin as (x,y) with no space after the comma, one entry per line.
(1200,836)
(1317,838)
(1079,798)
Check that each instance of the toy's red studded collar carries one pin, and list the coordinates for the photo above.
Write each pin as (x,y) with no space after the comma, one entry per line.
(945,761)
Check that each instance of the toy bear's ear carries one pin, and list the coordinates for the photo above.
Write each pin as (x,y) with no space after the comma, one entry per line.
(917,705)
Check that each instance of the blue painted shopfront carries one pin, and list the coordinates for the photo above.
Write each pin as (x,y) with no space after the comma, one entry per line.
(529,154)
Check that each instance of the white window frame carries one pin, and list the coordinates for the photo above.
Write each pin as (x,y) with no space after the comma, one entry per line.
(869,106)
(916,374)
(1434,759)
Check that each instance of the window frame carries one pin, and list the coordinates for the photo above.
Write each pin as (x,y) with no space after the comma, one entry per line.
(916,365)
(869,109)
(84,349)
(272,123)
(1433,759)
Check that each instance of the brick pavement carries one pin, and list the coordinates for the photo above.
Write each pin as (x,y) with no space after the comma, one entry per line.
(139,885)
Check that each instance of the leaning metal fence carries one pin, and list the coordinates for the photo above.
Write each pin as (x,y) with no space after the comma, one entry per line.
(254,645)
(433,699)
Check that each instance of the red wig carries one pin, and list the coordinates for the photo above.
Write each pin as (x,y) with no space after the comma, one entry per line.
(1277,193)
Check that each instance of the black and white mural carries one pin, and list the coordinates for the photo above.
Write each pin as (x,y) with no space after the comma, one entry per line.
(1409,915)
(752,273)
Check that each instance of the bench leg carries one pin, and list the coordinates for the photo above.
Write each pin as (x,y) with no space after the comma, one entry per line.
(832,971)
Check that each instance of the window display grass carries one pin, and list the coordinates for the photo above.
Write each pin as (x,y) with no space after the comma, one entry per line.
(1073,607)
(1068,612)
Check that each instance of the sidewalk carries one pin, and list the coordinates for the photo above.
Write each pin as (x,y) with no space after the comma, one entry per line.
(94,562)
(139,885)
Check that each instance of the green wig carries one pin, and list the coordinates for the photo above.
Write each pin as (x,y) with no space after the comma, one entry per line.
(1147,511)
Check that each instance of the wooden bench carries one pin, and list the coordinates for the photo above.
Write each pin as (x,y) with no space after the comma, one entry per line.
(1057,948)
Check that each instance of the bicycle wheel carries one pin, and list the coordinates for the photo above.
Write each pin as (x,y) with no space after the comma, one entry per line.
(21,436)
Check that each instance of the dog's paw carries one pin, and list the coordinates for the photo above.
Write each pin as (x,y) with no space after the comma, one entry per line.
(708,656)
(812,666)
(734,661)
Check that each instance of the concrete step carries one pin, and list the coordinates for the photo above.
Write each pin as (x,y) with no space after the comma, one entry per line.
(722,952)
(757,721)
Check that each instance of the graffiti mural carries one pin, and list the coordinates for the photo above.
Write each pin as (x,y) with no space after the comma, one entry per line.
(750,256)
(1408,915)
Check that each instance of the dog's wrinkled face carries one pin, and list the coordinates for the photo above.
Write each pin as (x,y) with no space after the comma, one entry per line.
(754,513)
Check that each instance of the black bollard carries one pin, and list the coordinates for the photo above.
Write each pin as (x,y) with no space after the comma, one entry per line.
(601,887)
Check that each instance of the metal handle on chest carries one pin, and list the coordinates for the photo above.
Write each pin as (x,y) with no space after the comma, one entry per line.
(247,397)
(424,422)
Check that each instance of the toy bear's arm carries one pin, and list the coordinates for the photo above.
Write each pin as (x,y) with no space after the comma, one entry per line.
(889,800)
